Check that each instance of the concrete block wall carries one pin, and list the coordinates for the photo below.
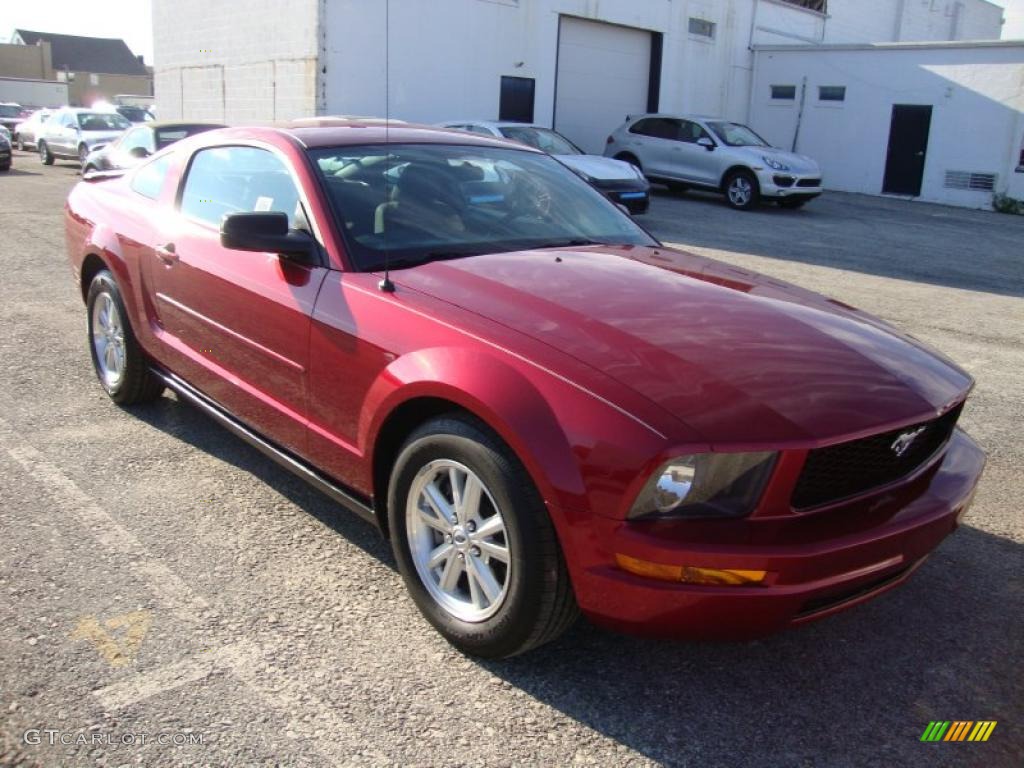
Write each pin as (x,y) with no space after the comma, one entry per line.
(236,62)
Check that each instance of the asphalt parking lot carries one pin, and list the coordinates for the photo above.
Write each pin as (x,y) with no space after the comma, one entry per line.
(160,580)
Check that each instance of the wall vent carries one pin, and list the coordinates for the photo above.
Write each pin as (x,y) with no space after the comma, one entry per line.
(970,180)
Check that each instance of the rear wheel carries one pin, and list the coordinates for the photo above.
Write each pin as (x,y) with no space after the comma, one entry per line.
(45,154)
(120,364)
(474,542)
(742,191)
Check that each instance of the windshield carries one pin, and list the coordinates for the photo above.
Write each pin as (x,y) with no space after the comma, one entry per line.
(541,138)
(419,203)
(6,110)
(102,121)
(737,135)
(135,114)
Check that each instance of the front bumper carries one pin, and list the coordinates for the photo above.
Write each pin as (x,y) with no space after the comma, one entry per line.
(817,563)
(634,194)
(785,184)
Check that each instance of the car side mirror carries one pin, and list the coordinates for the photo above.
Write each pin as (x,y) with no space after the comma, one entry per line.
(139,152)
(266,232)
(707,143)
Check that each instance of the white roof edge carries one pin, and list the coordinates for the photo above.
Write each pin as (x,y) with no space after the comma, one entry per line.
(927,45)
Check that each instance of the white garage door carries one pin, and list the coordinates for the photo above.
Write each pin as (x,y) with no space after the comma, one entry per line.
(603,74)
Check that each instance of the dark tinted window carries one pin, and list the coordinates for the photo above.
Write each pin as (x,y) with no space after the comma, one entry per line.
(224,180)
(690,132)
(658,127)
(784,92)
(832,93)
(516,99)
(149,178)
(702,28)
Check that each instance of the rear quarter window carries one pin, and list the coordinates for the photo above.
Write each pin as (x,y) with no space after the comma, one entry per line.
(149,178)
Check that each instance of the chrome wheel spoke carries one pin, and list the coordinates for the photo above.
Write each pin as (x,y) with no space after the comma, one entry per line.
(481,573)
(438,502)
(432,519)
(490,528)
(450,574)
(492,550)
(440,556)
(469,499)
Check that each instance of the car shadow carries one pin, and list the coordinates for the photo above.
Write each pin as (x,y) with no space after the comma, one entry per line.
(897,238)
(855,689)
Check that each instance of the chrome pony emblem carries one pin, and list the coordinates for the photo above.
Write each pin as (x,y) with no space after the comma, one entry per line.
(902,443)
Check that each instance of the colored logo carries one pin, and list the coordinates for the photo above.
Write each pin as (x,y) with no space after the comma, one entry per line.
(958,730)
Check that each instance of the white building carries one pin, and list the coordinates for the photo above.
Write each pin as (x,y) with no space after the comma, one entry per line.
(943,122)
(579,65)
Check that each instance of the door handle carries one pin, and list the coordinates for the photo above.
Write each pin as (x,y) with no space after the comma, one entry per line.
(166,254)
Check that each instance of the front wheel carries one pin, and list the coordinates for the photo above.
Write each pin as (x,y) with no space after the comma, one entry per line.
(45,154)
(742,191)
(118,359)
(474,542)
(83,152)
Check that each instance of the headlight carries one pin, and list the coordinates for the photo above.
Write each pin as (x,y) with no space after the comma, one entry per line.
(705,485)
(771,162)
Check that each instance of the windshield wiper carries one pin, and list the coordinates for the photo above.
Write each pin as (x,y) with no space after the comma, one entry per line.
(576,241)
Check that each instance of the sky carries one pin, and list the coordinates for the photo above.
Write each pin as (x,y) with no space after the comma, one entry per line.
(131,20)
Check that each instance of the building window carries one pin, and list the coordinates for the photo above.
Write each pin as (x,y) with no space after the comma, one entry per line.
(783,92)
(821,6)
(831,93)
(516,99)
(702,28)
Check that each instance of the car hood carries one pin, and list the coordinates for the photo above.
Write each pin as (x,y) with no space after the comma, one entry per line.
(742,359)
(797,163)
(600,168)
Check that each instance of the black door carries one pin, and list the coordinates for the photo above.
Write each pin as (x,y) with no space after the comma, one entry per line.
(908,146)
(516,99)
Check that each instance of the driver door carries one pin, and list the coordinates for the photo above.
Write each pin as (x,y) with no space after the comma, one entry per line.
(239,320)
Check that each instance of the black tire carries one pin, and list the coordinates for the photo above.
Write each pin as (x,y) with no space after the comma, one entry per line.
(539,604)
(83,152)
(626,157)
(792,203)
(738,201)
(88,169)
(136,384)
(45,154)
(4,168)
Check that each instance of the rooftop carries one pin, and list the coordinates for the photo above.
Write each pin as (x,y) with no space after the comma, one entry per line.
(109,56)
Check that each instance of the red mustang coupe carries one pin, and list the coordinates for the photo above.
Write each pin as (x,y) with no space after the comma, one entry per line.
(545,409)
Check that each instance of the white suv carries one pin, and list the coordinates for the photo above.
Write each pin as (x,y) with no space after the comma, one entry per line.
(711,153)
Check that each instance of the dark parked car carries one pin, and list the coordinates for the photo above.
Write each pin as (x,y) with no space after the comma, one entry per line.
(134,114)
(138,143)
(543,407)
(5,151)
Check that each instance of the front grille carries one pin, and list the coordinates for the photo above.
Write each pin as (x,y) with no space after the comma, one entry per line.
(809,183)
(848,469)
(783,181)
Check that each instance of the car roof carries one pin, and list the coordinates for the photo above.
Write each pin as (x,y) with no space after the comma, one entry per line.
(674,116)
(333,132)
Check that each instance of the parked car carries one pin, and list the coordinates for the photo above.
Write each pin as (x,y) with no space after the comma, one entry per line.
(621,182)
(28,130)
(542,406)
(715,154)
(139,142)
(5,151)
(72,133)
(9,114)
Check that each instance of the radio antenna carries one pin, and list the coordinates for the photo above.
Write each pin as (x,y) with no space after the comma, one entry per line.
(386,285)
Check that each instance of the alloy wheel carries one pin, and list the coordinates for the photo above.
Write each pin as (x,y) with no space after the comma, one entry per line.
(458,541)
(108,340)
(740,191)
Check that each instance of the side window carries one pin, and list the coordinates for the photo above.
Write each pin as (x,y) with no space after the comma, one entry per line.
(137,137)
(68,120)
(657,127)
(149,178)
(643,127)
(691,132)
(479,129)
(224,180)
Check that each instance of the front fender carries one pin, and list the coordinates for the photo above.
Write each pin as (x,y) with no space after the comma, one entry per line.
(497,393)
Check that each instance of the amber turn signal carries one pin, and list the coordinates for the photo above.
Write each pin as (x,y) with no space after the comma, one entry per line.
(688,574)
